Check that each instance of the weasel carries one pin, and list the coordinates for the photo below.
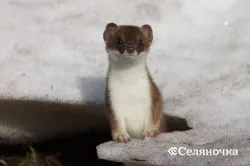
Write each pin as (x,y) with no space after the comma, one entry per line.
(133,102)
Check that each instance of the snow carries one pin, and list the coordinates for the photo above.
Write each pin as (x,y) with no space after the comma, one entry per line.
(200,55)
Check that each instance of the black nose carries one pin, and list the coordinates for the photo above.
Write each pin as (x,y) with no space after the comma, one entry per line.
(130,49)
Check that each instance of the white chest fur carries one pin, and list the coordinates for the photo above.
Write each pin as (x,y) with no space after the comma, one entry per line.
(130,97)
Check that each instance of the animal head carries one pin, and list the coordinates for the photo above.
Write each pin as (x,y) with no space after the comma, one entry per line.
(127,41)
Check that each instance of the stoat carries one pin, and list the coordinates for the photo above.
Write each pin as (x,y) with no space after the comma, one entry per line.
(133,102)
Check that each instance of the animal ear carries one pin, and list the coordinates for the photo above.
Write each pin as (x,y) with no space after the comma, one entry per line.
(147,32)
(109,31)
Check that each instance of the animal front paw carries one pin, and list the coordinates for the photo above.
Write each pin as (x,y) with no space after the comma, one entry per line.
(121,137)
(151,133)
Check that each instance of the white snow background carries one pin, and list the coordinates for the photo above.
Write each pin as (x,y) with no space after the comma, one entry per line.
(53,49)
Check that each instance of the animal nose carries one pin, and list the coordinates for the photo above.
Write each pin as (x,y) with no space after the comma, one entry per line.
(131,49)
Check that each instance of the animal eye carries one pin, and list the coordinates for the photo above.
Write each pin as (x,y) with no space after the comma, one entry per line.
(140,42)
(119,41)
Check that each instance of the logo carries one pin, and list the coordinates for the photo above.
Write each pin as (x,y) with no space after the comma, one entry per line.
(172,151)
(202,152)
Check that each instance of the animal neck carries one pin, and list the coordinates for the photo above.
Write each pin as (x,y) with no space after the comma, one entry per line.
(129,75)
(120,63)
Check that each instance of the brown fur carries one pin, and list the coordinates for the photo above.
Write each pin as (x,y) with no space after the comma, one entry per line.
(158,118)
(109,110)
(130,35)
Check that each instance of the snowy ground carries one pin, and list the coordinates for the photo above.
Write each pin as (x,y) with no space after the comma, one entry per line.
(200,56)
